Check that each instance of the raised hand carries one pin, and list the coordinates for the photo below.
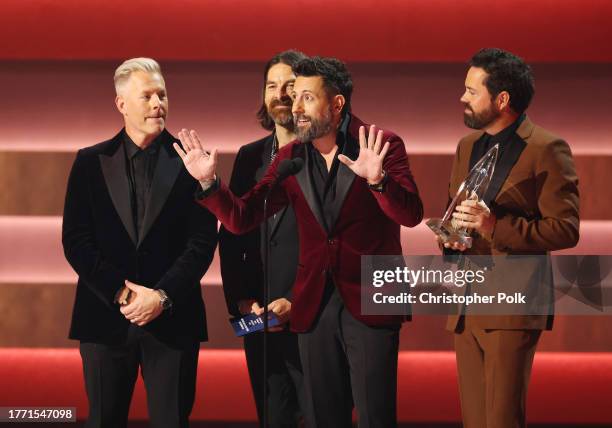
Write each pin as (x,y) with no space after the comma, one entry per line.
(369,163)
(199,163)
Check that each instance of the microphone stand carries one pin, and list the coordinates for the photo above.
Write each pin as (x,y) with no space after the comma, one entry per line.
(284,170)
(266,298)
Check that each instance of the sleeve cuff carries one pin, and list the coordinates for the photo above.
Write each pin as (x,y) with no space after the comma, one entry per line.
(380,187)
(202,193)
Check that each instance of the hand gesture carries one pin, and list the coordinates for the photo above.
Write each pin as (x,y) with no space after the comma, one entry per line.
(144,304)
(368,164)
(199,163)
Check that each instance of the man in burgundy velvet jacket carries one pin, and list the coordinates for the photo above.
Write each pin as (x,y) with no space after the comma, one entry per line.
(350,199)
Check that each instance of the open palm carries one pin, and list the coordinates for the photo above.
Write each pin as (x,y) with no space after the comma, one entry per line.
(369,163)
(199,163)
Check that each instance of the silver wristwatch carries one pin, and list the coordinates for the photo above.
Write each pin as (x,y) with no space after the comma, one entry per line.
(164,299)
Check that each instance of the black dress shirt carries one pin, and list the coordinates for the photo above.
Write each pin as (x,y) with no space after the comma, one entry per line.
(324,180)
(484,143)
(140,165)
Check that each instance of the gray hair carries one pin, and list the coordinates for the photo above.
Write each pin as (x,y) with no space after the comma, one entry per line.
(123,72)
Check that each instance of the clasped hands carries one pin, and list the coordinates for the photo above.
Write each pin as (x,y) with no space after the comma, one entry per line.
(140,305)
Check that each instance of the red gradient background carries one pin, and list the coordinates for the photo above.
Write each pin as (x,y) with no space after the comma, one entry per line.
(408,63)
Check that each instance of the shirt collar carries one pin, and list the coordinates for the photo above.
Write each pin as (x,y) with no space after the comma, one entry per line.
(505,134)
(341,135)
(132,149)
(343,131)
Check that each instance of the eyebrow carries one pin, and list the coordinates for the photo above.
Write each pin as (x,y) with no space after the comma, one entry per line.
(268,82)
(153,90)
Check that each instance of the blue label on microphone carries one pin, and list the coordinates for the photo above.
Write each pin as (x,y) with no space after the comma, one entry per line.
(251,323)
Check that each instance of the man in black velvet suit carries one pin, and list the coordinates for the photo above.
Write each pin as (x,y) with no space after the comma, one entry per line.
(241,266)
(140,246)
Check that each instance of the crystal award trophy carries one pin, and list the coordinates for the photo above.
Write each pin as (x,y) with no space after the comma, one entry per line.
(473,187)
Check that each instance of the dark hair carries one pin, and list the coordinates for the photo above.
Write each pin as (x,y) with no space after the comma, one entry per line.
(506,72)
(336,78)
(290,58)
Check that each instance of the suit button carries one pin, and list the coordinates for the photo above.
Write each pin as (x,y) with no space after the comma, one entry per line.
(273,243)
(331,241)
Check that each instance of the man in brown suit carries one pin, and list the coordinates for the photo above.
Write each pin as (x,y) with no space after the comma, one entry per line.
(530,207)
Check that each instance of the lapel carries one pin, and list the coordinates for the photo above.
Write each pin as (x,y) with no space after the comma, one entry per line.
(511,150)
(275,220)
(303,179)
(168,167)
(345,177)
(514,146)
(115,174)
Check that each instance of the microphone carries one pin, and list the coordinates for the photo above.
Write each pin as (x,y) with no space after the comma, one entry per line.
(288,167)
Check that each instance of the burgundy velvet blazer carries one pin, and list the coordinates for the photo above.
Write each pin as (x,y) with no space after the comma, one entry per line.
(365,222)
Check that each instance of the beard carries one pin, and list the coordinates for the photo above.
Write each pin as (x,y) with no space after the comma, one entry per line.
(317,128)
(281,116)
(482,119)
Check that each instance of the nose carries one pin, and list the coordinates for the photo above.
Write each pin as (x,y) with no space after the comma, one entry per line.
(297,106)
(463,98)
(155,101)
(279,92)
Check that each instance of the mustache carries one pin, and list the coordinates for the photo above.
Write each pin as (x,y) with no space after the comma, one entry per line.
(469,107)
(300,117)
(285,102)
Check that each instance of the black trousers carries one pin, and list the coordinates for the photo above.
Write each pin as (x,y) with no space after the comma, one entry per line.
(169,375)
(346,362)
(285,380)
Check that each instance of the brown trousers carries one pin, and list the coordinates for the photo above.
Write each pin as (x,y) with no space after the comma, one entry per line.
(494,368)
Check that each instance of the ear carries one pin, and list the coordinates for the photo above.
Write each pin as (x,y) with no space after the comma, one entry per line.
(120,103)
(338,102)
(503,101)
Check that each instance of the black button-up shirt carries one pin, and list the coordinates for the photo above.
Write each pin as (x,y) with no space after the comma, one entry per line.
(140,166)
(502,138)
(324,180)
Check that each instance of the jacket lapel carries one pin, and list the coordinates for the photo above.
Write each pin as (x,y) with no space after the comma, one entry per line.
(276,220)
(115,174)
(344,177)
(166,171)
(266,157)
(511,153)
(303,179)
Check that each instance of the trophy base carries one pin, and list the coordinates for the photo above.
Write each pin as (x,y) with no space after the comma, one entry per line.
(448,234)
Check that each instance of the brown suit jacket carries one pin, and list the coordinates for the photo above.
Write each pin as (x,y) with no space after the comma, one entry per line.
(536,208)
